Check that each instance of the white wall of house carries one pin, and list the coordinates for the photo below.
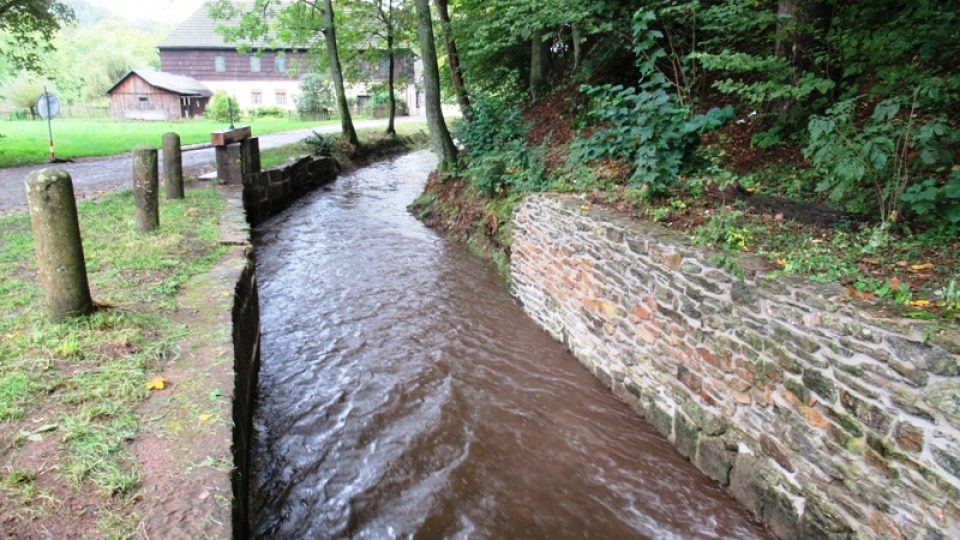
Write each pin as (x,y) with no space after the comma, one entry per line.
(278,93)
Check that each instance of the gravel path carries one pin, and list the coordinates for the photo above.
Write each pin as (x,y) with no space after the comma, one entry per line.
(92,177)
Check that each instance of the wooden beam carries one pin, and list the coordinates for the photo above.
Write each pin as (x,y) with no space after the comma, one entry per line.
(229,136)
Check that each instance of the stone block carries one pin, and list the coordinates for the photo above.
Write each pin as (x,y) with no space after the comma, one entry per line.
(687,434)
(715,459)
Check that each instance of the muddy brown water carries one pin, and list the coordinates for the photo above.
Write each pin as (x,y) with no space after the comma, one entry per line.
(404,394)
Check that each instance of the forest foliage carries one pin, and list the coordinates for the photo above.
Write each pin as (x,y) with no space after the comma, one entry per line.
(867,91)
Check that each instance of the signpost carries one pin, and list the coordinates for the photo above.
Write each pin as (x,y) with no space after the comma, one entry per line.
(48,106)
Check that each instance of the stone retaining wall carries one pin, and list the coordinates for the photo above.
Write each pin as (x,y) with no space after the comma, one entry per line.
(268,192)
(264,194)
(824,416)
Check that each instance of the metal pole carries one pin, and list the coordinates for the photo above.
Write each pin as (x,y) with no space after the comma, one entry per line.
(230,109)
(46,96)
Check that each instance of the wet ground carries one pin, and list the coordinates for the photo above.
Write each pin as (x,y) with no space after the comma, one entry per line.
(93,177)
(404,394)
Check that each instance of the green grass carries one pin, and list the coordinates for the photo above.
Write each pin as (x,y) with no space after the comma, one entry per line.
(80,382)
(277,156)
(25,141)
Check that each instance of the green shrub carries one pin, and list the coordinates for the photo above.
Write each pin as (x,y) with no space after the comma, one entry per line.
(220,106)
(320,145)
(268,112)
(316,94)
(890,162)
(499,158)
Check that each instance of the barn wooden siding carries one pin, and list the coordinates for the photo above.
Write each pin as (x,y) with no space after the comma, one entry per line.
(127,103)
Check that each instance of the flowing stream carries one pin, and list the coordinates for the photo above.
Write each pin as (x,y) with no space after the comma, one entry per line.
(403,394)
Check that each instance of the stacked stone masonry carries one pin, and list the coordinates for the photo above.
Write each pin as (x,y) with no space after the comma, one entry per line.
(264,194)
(825,417)
(267,193)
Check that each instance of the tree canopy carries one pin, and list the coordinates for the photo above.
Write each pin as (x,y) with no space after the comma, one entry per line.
(27,27)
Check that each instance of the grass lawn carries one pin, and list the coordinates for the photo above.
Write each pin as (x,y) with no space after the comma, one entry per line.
(276,156)
(25,142)
(68,392)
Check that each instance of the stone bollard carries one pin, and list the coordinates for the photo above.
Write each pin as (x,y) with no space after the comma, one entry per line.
(145,187)
(173,165)
(56,234)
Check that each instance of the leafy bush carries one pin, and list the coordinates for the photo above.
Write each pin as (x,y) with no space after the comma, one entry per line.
(268,112)
(316,94)
(722,230)
(320,145)
(890,159)
(220,106)
(382,97)
(498,156)
(647,127)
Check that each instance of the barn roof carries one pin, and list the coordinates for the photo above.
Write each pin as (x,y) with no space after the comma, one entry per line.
(199,31)
(178,84)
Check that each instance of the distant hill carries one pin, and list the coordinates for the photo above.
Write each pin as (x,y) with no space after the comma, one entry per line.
(87,13)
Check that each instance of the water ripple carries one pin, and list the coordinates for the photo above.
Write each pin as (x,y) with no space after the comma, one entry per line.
(404,394)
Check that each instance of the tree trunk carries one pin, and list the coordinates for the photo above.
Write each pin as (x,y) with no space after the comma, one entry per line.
(538,65)
(442,143)
(453,57)
(330,36)
(577,46)
(391,130)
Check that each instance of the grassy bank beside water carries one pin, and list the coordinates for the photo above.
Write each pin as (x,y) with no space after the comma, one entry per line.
(69,392)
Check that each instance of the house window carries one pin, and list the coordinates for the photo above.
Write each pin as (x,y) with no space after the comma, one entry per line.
(256,97)
(281,63)
(281,97)
(219,64)
(144,98)
(255,64)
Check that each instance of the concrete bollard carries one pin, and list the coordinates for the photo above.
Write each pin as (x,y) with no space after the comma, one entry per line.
(56,234)
(173,165)
(145,187)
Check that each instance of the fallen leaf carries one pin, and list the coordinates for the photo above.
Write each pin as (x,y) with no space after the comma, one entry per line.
(157,383)
(921,267)
(781,261)
(871,262)
(860,294)
(226,293)
(895,283)
(205,418)
(921,303)
(585,207)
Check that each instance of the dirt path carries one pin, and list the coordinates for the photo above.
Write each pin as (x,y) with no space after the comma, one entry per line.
(93,177)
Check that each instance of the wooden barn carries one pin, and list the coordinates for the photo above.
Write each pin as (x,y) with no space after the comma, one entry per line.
(154,95)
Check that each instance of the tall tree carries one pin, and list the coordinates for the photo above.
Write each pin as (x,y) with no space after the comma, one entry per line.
(390,22)
(439,134)
(336,71)
(30,26)
(453,57)
(300,23)
(538,65)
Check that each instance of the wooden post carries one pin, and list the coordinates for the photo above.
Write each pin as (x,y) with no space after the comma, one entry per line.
(173,165)
(56,234)
(145,188)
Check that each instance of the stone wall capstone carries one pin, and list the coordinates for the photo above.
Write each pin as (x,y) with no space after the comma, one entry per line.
(824,416)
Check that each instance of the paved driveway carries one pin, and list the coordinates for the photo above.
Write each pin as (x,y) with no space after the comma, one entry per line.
(93,177)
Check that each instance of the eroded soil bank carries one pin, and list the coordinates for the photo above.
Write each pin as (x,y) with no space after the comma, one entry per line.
(403,392)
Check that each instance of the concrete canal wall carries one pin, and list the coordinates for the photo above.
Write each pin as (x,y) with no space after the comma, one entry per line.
(825,417)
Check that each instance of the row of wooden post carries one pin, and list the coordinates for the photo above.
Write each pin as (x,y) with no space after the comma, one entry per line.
(56,230)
